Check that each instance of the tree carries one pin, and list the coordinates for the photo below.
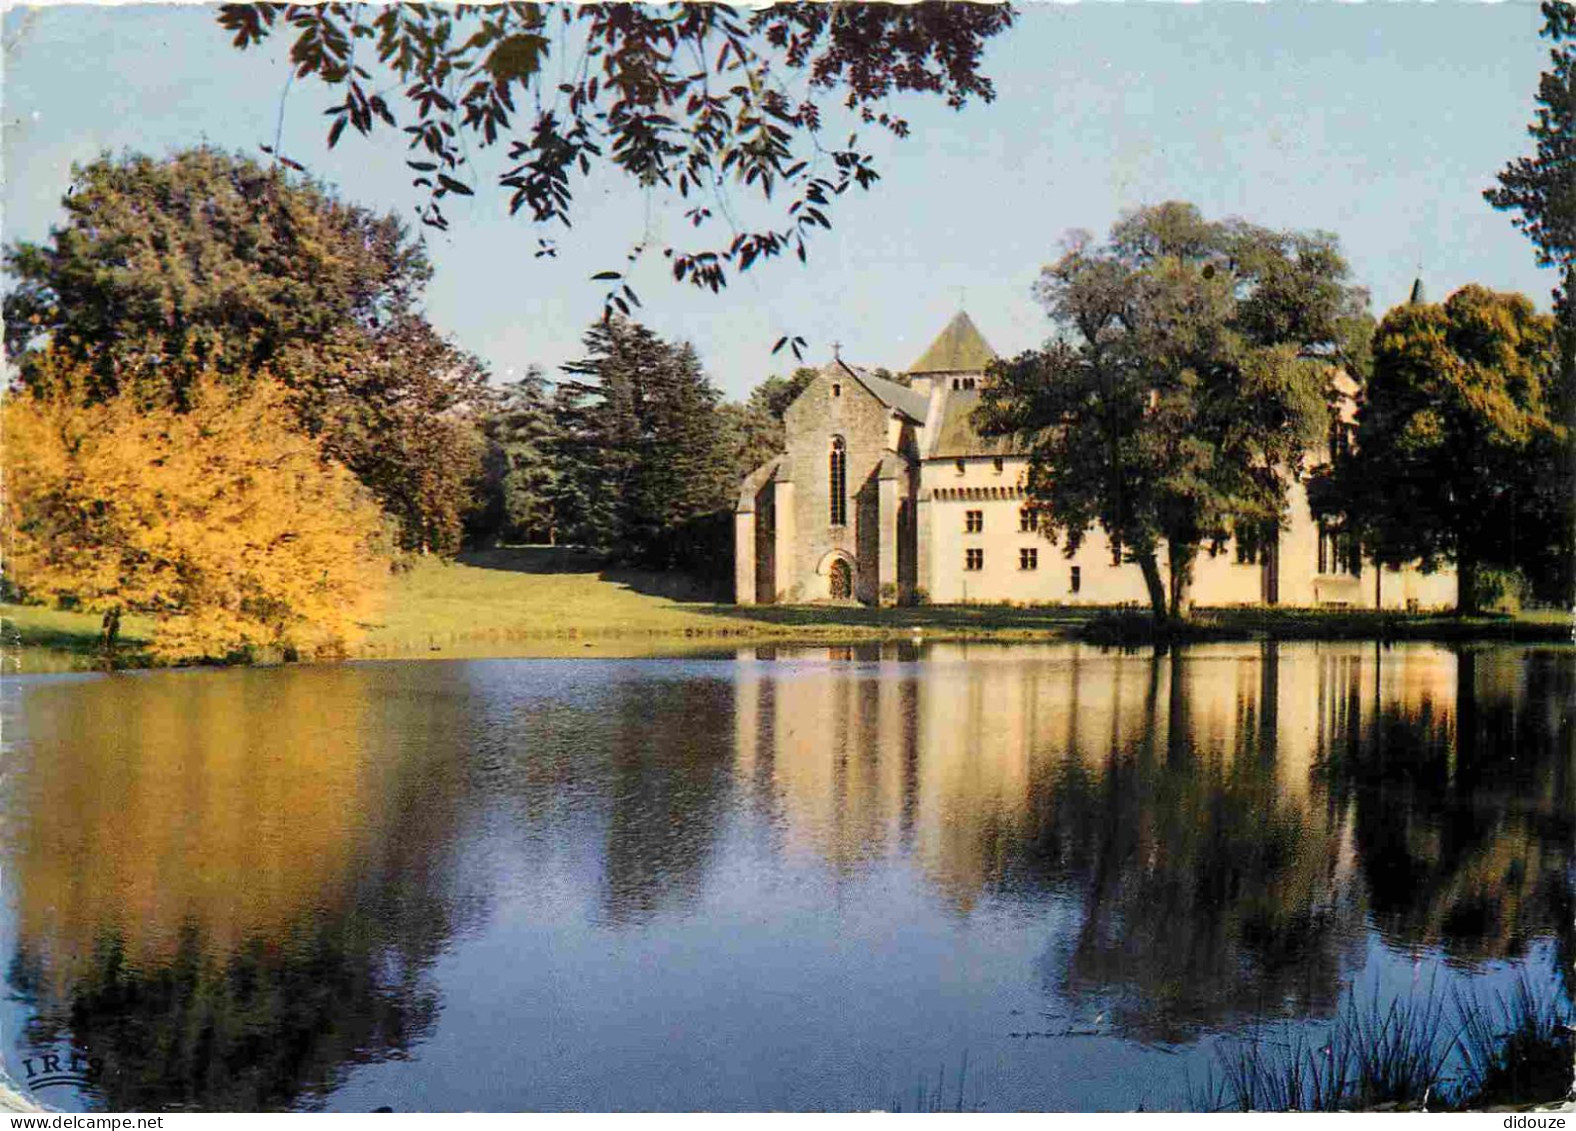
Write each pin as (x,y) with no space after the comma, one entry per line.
(221,522)
(695,98)
(1542,189)
(1443,467)
(205,262)
(403,410)
(641,456)
(523,433)
(206,258)
(1189,376)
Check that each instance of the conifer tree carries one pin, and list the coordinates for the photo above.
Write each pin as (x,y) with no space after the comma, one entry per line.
(641,453)
(523,435)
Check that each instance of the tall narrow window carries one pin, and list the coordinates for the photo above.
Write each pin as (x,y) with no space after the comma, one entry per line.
(1339,553)
(1077,579)
(839,482)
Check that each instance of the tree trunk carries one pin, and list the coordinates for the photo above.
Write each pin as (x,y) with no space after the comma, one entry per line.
(1180,559)
(109,637)
(1157,588)
(1466,585)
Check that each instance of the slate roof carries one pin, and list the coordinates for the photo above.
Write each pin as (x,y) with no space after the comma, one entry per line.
(959,348)
(905,400)
(957,436)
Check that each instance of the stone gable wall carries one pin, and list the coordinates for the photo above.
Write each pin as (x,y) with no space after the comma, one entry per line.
(810,423)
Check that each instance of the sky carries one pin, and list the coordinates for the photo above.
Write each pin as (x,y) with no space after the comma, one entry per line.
(1379,122)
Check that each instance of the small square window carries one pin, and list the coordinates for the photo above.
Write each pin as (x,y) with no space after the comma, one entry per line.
(998,464)
(1029,558)
(974,559)
(1077,579)
(973,522)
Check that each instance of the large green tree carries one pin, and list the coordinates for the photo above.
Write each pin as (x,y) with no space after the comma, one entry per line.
(1188,378)
(1541,190)
(1450,426)
(642,460)
(208,262)
(721,106)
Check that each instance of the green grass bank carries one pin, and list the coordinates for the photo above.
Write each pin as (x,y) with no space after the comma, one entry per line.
(550,602)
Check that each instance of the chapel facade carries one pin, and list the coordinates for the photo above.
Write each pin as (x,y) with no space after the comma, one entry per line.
(889,494)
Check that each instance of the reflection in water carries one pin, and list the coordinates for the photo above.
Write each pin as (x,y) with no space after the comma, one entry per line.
(234,888)
(1226,819)
(232,883)
(1464,802)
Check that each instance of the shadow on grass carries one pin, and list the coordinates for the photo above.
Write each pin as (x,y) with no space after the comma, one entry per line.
(565,560)
(533,559)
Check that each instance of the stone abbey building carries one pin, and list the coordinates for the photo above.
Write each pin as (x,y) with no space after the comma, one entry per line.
(888,494)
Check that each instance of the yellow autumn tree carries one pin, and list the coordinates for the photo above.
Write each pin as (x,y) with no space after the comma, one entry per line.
(228,528)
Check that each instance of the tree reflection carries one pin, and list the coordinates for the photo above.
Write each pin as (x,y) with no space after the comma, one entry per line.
(1465,809)
(1227,820)
(225,915)
(669,753)
(1207,892)
(1211,890)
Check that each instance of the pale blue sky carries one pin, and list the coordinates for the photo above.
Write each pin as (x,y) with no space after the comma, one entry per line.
(1379,122)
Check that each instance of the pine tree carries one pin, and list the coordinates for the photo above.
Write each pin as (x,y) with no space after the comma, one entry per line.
(642,456)
(523,436)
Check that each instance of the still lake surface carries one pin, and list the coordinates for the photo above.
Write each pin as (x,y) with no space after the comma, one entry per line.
(801,879)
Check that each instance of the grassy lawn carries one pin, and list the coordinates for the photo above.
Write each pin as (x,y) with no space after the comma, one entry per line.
(39,639)
(533,601)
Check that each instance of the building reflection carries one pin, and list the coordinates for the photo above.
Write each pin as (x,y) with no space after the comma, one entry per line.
(222,914)
(1225,820)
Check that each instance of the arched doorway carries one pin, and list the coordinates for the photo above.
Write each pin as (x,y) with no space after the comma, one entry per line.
(840,579)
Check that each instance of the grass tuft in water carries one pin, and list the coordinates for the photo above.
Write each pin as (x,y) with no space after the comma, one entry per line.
(1413,1053)
(1516,1050)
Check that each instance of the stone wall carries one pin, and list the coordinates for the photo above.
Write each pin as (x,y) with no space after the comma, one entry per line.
(833,405)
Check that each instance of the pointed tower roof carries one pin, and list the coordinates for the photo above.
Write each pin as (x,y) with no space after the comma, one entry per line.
(1418,298)
(960,348)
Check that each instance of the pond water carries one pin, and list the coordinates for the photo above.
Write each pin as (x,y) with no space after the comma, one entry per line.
(1028,876)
